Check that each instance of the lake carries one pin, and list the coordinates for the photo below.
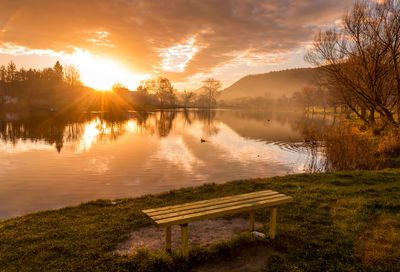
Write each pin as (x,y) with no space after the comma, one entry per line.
(50,160)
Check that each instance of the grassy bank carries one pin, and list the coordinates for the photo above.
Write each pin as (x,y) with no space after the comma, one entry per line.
(347,221)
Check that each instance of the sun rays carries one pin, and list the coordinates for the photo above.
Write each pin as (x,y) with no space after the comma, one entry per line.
(102,73)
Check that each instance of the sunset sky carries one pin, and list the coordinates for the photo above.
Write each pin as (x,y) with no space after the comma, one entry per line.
(126,41)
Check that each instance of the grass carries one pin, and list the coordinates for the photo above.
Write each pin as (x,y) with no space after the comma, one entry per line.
(345,221)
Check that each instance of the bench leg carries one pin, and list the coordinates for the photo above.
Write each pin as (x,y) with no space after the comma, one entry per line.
(184,237)
(272,223)
(252,219)
(168,239)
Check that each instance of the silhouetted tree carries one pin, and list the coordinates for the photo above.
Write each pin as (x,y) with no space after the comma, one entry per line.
(58,72)
(301,99)
(72,75)
(11,72)
(143,96)
(3,73)
(3,77)
(163,89)
(187,98)
(211,87)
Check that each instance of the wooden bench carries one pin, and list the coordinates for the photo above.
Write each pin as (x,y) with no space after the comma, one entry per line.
(183,214)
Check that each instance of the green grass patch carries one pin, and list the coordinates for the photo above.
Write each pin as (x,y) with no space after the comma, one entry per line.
(335,223)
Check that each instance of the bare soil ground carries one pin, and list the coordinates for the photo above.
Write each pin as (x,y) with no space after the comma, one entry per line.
(203,232)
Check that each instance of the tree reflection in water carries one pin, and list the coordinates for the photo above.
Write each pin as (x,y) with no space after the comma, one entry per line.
(80,130)
(57,129)
(123,154)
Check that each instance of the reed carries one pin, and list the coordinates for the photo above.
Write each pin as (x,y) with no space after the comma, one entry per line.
(348,147)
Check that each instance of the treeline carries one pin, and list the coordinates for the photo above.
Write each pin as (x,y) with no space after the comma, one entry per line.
(265,102)
(49,87)
(314,97)
(161,92)
(308,99)
(59,87)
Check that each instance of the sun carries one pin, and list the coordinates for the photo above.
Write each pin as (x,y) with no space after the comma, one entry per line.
(102,73)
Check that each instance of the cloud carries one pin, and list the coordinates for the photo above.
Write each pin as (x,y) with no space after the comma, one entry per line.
(178,38)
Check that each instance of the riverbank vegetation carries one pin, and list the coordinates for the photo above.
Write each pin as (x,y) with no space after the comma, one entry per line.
(358,69)
(359,62)
(345,221)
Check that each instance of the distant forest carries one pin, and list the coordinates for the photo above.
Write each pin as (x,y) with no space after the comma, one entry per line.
(51,88)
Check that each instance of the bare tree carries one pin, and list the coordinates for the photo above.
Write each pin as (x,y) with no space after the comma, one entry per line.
(72,75)
(211,87)
(360,60)
(187,98)
(163,89)
(309,97)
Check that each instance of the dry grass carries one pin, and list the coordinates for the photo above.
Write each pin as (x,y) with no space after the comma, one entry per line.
(389,144)
(347,148)
(378,246)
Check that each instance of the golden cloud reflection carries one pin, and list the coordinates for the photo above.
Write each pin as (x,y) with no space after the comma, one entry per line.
(174,150)
(64,161)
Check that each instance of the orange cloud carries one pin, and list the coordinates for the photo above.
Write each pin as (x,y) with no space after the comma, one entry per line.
(177,38)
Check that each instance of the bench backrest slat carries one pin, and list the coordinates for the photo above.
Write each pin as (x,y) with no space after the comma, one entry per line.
(211,203)
(167,208)
(216,206)
(221,212)
(189,212)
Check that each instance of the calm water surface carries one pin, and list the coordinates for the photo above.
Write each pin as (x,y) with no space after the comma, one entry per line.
(50,161)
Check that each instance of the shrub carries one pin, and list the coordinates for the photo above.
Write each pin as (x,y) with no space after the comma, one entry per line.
(347,148)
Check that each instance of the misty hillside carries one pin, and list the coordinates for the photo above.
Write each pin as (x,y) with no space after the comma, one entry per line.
(200,90)
(275,84)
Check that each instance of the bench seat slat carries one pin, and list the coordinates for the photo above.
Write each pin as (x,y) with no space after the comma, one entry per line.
(221,212)
(206,204)
(168,208)
(216,206)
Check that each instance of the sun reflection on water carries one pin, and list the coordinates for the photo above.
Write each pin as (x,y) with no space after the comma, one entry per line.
(131,126)
(56,162)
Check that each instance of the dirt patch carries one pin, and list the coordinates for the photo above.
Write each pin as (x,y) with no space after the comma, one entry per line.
(203,232)
(249,259)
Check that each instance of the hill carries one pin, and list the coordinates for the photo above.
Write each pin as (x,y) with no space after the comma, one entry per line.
(200,90)
(273,84)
